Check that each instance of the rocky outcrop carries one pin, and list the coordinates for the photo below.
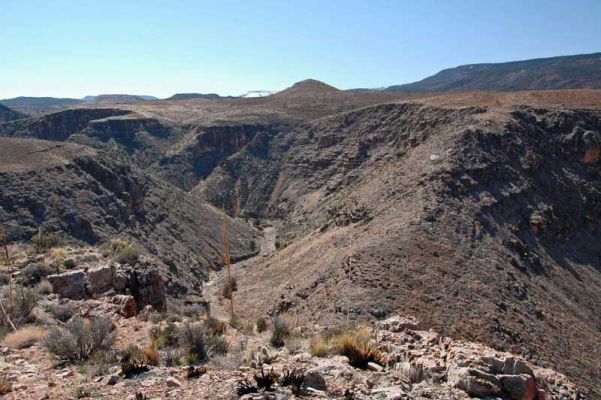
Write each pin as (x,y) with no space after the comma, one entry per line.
(425,356)
(143,282)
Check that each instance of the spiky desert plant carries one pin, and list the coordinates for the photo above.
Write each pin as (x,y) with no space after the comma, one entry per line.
(357,347)
(265,380)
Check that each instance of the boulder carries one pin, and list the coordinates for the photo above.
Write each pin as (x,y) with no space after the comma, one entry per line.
(147,286)
(69,285)
(127,305)
(474,382)
(315,380)
(119,281)
(519,387)
(99,280)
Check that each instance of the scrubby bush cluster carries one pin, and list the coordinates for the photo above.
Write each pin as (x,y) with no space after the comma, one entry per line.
(80,338)
(280,331)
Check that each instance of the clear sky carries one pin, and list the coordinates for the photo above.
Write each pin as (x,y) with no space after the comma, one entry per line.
(72,48)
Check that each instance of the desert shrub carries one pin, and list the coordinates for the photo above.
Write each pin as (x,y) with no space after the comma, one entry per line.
(62,312)
(253,245)
(6,386)
(217,345)
(192,336)
(318,347)
(356,346)
(4,279)
(69,263)
(20,311)
(171,357)
(44,287)
(280,331)
(35,272)
(166,337)
(133,362)
(259,357)
(42,242)
(215,326)
(193,310)
(141,396)
(261,325)
(24,337)
(127,255)
(151,355)
(100,362)
(80,338)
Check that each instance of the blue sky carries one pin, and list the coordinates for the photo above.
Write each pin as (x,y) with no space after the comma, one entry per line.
(76,48)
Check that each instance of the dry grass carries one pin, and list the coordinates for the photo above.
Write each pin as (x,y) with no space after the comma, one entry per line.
(357,347)
(24,337)
(44,287)
(319,347)
(151,355)
(6,385)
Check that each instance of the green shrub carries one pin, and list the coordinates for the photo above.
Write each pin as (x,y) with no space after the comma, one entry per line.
(133,362)
(217,345)
(127,255)
(69,263)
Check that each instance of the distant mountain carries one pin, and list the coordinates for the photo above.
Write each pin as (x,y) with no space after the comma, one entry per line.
(308,88)
(189,96)
(7,114)
(566,72)
(117,99)
(39,105)
(257,93)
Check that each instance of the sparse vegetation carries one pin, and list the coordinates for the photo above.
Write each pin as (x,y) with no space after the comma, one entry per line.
(318,347)
(44,287)
(69,263)
(82,392)
(24,337)
(357,347)
(217,345)
(151,355)
(294,379)
(265,380)
(80,338)
(42,242)
(23,302)
(6,385)
(192,336)
(127,255)
(261,325)
(244,386)
(280,331)
(215,326)
(62,311)
(133,362)
(35,272)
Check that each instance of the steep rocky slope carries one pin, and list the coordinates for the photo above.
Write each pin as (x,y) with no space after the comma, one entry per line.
(568,72)
(87,196)
(484,227)
(7,114)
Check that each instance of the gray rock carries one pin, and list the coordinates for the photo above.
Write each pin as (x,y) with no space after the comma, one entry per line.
(315,380)
(99,279)
(69,284)
(519,387)
(119,281)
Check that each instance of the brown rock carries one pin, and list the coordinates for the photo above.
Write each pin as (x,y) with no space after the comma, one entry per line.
(127,305)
